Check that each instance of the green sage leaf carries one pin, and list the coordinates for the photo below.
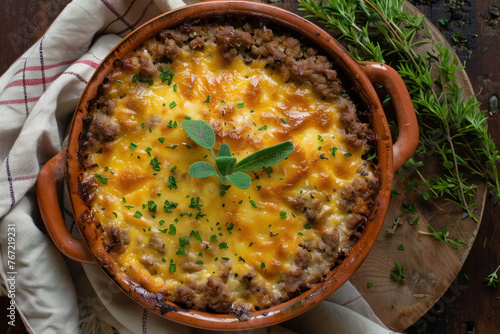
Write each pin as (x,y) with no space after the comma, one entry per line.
(266,157)
(200,132)
(224,150)
(202,169)
(240,179)
(225,164)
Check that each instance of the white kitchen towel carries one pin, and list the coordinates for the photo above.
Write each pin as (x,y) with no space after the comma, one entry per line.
(38,95)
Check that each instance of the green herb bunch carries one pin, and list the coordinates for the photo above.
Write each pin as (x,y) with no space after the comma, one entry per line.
(227,168)
(451,127)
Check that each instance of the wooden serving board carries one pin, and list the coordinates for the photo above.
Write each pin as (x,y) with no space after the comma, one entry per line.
(430,266)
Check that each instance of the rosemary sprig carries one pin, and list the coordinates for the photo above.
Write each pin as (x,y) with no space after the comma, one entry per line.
(451,127)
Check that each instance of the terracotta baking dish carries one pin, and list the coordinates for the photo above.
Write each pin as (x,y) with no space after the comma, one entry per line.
(65,166)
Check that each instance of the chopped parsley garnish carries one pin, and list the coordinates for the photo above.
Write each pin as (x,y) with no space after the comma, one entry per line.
(172,124)
(262,128)
(161,139)
(129,206)
(347,155)
(268,170)
(173,168)
(172,183)
(258,187)
(307,226)
(114,214)
(230,228)
(175,88)
(334,149)
(225,258)
(240,104)
(124,200)
(134,78)
(320,138)
(183,241)
(283,214)
(148,150)
(166,74)
(283,120)
(187,117)
(253,203)
(171,268)
(213,238)
(372,156)
(172,146)
(195,203)
(319,148)
(169,206)
(300,233)
(101,178)
(199,262)
(138,214)
(189,214)
(161,222)
(181,251)
(223,101)
(251,244)
(156,164)
(200,215)
(197,236)
(172,230)
(163,260)
(172,105)
(401,247)
(151,206)
(222,245)
(262,265)
(207,100)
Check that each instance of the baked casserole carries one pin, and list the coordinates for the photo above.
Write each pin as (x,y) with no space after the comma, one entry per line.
(178,238)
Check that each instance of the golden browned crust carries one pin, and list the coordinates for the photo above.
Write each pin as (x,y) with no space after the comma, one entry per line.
(292,61)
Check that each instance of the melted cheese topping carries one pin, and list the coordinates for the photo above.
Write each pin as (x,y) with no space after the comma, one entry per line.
(179,229)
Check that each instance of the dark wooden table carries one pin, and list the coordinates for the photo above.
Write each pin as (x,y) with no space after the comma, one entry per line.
(468,306)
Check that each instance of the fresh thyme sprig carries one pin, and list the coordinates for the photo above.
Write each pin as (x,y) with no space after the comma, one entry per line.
(451,127)
(444,236)
(492,279)
(227,168)
(399,273)
(396,223)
